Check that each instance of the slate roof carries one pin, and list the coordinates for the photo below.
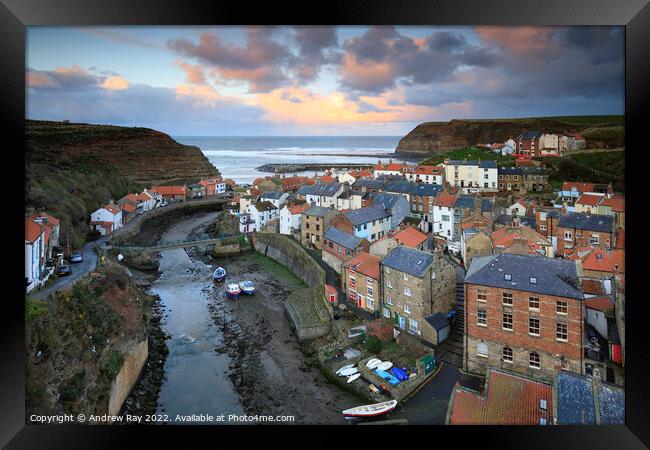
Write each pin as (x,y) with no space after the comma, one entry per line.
(510,171)
(387,200)
(529,135)
(428,190)
(465,201)
(304,190)
(412,261)
(487,204)
(506,219)
(554,276)
(317,211)
(401,187)
(367,183)
(437,320)
(273,195)
(612,405)
(575,403)
(509,400)
(264,206)
(367,214)
(347,240)
(386,178)
(324,189)
(534,171)
(591,222)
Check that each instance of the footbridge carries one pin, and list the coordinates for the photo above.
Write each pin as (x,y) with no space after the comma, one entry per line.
(177,244)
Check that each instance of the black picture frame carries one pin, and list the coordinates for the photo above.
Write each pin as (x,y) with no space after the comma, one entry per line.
(634,15)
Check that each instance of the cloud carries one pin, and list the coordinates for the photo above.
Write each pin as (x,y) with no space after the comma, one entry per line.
(382,58)
(193,72)
(317,46)
(115,84)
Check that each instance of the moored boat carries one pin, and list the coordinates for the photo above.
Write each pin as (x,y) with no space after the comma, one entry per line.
(373,410)
(219,274)
(247,287)
(232,290)
(385,365)
(354,377)
(341,369)
(348,372)
(373,363)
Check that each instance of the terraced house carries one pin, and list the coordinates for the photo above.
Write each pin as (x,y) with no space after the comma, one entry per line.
(422,199)
(324,194)
(313,223)
(476,175)
(523,314)
(585,230)
(370,223)
(339,247)
(415,286)
(361,281)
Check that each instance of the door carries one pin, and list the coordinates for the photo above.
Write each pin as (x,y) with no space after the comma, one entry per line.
(402,322)
(361,302)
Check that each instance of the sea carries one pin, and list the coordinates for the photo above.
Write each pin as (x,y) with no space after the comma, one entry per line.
(237,157)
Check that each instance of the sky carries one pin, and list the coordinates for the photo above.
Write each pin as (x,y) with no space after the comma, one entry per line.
(319,80)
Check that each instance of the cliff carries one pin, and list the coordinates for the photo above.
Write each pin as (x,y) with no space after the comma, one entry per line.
(140,154)
(438,137)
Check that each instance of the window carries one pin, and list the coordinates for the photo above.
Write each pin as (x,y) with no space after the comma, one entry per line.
(481,295)
(407,291)
(338,248)
(507,277)
(406,309)
(506,354)
(389,301)
(595,239)
(433,274)
(561,332)
(533,360)
(370,303)
(369,289)
(507,298)
(389,284)
(482,349)
(445,218)
(387,269)
(507,321)
(542,227)
(568,235)
(561,307)
(369,280)
(406,277)
(533,326)
(413,326)
(533,280)
(481,317)
(533,302)
(387,313)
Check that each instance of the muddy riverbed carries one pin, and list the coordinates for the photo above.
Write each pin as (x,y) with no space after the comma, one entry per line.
(235,356)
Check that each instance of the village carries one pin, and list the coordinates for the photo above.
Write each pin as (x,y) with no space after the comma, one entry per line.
(467,263)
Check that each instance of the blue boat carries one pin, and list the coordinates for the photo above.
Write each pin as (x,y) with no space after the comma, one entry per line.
(399,374)
(219,274)
(247,287)
(387,376)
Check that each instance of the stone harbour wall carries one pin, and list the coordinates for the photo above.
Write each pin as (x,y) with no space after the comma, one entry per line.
(127,377)
(291,255)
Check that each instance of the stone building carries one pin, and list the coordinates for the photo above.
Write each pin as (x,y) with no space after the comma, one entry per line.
(314,221)
(523,314)
(361,282)
(415,285)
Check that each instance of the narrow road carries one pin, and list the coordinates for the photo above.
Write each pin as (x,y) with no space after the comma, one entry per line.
(78,270)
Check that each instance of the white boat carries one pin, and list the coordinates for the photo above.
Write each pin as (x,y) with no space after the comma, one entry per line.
(385,365)
(233,291)
(373,363)
(247,287)
(376,409)
(349,366)
(348,372)
(219,274)
(354,377)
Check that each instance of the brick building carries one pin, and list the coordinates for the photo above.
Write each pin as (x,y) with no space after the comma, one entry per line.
(523,314)
(415,285)
(339,246)
(584,230)
(361,281)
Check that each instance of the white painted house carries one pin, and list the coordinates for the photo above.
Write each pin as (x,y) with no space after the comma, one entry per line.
(472,175)
(261,213)
(277,198)
(34,253)
(106,219)
(290,218)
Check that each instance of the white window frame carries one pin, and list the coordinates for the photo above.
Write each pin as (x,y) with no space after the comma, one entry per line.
(406,308)
(407,291)
(478,349)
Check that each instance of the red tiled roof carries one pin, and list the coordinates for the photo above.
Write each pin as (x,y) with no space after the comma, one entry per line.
(169,190)
(509,400)
(428,170)
(506,237)
(445,199)
(603,303)
(475,221)
(128,207)
(113,209)
(33,230)
(610,261)
(366,264)
(50,219)
(410,237)
(592,286)
(616,202)
(328,179)
(208,182)
(330,289)
(364,174)
(107,225)
(298,209)
(580,187)
(589,199)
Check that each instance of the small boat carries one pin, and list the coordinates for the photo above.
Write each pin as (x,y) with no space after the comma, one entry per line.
(349,366)
(348,372)
(399,374)
(371,410)
(354,377)
(385,365)
(387,376)
(373,363)
(233,291)
(247,287)
(219,274)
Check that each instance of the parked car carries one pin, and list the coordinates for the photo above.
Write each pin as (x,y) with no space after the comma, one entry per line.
(76,257)
(63,270)
(163,203)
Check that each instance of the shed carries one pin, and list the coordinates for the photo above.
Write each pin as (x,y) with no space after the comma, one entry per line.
(331,295)
(440,322)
